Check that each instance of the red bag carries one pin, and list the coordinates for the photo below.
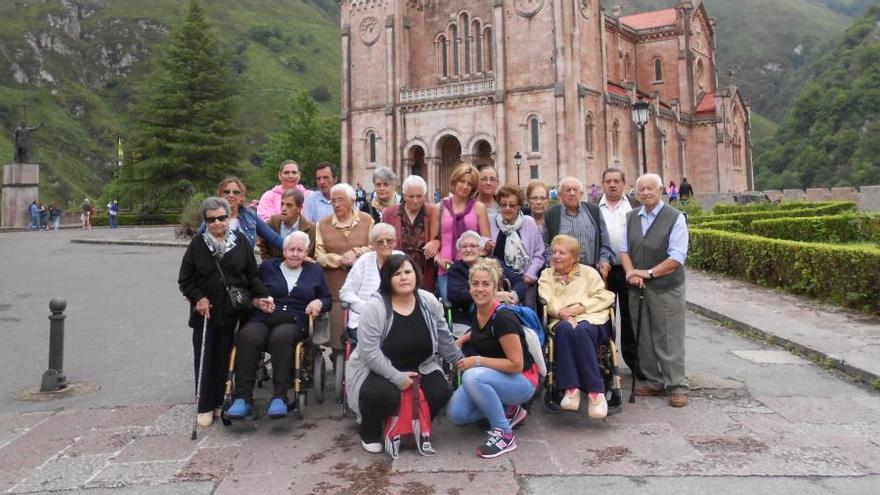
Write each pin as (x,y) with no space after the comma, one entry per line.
(411,426)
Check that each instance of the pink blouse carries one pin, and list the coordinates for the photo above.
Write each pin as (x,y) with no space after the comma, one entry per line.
(447,243)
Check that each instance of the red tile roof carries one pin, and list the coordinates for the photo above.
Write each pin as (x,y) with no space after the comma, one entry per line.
(617,89)
(707,104)
(650,20)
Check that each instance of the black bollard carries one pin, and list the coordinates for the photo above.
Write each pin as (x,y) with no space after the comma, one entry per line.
(53,378)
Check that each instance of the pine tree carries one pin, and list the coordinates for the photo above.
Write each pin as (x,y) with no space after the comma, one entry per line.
(186,119)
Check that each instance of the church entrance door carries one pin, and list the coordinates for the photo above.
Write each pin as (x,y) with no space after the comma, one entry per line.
(449,151)
(482,153)
(416,161)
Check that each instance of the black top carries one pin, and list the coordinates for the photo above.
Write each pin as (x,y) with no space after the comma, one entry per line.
(408,343)
(500,244)
(458,291)
(485,341)
(311,285)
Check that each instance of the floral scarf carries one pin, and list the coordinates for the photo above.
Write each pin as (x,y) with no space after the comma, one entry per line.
(515,255)
(217,248)
(458,225)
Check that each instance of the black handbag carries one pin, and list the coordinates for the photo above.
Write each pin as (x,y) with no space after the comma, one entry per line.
(239,298)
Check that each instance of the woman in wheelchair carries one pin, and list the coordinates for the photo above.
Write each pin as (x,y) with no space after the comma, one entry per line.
(501,375)
(400,335)
(298,291)
(578,306)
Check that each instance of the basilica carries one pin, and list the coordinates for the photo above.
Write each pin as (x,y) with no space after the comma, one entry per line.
(539,89)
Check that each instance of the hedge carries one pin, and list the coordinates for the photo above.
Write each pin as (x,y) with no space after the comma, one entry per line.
(846,227)
(102,220)
(746,218)
(727,225)
(725,208)
(846,275)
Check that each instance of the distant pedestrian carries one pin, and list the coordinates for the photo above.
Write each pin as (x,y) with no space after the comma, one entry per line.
(34,212)
(360,196)
(44,217)
(55,216)
(594,194)
(437,196)
(87,211)
(672,191)
(685,190)
(554,194)
(113,213)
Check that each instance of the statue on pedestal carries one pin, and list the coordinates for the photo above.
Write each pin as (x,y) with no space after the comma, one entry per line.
(22,142)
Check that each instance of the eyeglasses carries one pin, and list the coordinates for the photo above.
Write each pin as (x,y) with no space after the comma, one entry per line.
(221,218)
(538,198)
(230,191)
(488,179)
(384,242)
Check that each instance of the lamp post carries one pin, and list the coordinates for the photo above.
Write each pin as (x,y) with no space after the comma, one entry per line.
(517,160)
(640,119)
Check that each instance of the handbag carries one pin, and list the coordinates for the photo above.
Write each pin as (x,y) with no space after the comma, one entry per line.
(239,298)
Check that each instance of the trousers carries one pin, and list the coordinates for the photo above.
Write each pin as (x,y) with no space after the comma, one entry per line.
(280,342)
(218,345)
(380,399)
(661,344)
(577,362)
(484,393)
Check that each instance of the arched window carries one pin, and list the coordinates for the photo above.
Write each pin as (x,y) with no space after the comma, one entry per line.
(699,73)
(615,140)
(658,69)
(534,135)
(456,63)
(443,46)
(467,42)
(588,133)
(371,144)
(490,48)
(478,48)
(626,67)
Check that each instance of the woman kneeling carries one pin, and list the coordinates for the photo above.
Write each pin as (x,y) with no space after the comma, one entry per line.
(502,375)
(299,291)
(399,335)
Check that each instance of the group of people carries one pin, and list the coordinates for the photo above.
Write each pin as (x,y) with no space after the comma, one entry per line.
(41,216)
(393,257)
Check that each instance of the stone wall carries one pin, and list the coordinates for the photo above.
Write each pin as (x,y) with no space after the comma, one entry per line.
(867,197)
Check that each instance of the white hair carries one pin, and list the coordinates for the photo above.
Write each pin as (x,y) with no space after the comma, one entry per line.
(384,174)
(577,181)
(469,234)
(656,178)
(296,236)
(343,187)
(414,181)
(380,228)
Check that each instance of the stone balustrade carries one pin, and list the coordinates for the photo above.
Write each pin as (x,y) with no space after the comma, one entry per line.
(448,91)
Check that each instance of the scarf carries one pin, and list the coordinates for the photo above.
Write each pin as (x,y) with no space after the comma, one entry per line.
(219,248)
(458,225)
(379,206)
(515,255)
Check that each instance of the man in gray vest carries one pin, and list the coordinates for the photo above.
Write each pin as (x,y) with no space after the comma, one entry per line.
(581,220)
(653,255)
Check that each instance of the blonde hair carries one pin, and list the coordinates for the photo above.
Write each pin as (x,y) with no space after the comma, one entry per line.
(468,172)
(569,242)
(490,266)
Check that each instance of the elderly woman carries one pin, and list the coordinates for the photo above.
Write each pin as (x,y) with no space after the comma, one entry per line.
(579,308)
(538,197)
(501,371)
(412,218)
(242,218)
(384,181)
(399,333)
(363,280)
(200,280)
(341,238)
(519,246)
(298,291)
(488,189)
(456,214)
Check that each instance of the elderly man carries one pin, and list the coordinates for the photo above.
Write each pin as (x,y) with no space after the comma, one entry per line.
(288,222)
(582,221)
(384,195)
(614,206)
(653,253)
(270,202)
(318,204)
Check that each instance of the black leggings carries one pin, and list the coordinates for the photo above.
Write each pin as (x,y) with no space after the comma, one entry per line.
(217,348)
(279,342)
(380,399)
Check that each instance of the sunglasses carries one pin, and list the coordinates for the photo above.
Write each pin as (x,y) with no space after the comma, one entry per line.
(221,218)
(230,191)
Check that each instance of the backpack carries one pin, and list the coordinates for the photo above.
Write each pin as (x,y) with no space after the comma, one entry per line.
(411,426)
(533,332)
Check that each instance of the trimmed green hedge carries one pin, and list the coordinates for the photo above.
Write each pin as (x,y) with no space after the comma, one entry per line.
(849,276)
(746,218)
(725,208)
(846,227)
(102,220)
(726,225)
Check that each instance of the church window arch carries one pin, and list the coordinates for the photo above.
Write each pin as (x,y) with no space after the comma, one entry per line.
(534,134)
(489,48)
(443,55)
(699,74)
(456,62)
(589,128)
(658,69)
(370,141)
(466,38)
(615,141)
(478,45)
(626,64)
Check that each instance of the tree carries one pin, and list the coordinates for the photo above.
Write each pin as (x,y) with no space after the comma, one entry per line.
(187,138)
(305,136)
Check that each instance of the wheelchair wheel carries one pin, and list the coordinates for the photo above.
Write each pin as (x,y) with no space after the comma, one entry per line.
(319,378)
(339,378)
(550,400)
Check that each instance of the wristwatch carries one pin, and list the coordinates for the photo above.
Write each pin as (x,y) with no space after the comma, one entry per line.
(651,273)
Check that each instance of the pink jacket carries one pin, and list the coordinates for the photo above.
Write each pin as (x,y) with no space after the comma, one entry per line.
(270,202)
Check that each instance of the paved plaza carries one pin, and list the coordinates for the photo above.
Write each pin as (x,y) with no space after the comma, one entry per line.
(760,418)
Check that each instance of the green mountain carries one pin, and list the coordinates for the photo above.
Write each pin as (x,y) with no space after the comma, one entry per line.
(77,65)
(831,134)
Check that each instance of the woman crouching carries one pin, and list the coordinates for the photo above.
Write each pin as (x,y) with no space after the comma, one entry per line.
(399,335)
(502,374)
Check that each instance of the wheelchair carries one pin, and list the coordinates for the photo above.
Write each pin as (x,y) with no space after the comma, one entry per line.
(608,365)
(349,342)
(308,373)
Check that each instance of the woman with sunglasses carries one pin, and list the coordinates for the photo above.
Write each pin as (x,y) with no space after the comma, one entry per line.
(362,281)
(242,218)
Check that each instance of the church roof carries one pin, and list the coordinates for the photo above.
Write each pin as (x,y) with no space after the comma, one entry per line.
(650,20)
(617,89)
(707,104)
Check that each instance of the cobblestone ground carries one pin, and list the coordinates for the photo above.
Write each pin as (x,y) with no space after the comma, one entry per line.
(759,419)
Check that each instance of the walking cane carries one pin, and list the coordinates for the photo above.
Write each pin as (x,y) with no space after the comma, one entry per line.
(632,390)
(199,379)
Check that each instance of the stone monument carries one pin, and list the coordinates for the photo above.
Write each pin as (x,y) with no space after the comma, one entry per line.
(21,180)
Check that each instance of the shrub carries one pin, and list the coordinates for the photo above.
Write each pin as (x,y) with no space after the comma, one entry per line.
(727,225)
(846,227)
(102,219)
(746,218)
(725,208)
(845,275)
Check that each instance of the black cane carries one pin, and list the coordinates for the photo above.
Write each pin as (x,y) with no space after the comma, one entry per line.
(632,391)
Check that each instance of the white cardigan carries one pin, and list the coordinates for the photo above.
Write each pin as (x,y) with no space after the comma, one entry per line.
(361,283)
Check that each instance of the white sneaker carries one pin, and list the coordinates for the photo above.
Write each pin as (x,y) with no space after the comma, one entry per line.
(598,407)
(373,448)
(205,419)
(572,400)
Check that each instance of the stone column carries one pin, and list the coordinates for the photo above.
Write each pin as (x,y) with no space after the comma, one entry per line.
(21,185)
(345,168)
(501,161)
(391,153)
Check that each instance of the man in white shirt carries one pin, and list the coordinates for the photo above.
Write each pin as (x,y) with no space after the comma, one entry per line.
(614,205)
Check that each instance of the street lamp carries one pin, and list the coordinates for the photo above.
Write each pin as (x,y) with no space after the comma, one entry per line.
(640,119)
(517,160)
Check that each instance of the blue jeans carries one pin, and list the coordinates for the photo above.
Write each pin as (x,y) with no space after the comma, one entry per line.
(442,281)
(484,393)
(56,222)
(112,221)
(35,222)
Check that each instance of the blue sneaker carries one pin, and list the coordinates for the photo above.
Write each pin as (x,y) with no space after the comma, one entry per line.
(277,408)
(239,409)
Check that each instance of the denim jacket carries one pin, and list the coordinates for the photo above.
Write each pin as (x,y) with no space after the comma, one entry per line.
(252,226)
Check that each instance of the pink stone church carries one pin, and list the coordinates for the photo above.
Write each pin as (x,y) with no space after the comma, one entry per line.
(427,84)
